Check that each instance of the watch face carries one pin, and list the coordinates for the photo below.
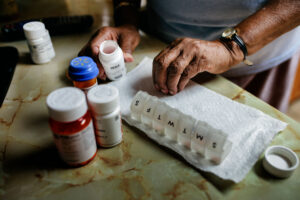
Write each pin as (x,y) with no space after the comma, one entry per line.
(228,32)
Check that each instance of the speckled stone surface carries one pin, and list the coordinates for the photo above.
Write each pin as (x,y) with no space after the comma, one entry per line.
(138,168)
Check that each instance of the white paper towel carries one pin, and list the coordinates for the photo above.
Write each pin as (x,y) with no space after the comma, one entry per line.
(249,129)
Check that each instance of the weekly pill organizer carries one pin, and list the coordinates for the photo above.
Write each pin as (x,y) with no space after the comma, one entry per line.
(183,130)
(211,132)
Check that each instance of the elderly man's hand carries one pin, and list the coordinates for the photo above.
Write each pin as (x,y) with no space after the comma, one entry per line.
(186,57)
(127,37)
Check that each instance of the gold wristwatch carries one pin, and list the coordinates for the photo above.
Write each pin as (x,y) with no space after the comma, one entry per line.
(231,34)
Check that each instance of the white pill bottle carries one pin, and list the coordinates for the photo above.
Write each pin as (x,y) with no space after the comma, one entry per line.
(39,42)
(104,104)
(112,60)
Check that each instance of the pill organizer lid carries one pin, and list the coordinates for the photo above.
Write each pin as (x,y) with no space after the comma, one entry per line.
(280,161)
(66,104)
(103,99)
(34,30)
(83,68)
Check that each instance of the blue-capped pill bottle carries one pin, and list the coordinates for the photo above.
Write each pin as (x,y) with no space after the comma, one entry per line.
(83,71)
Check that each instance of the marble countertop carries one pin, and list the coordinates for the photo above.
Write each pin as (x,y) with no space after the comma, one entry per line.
(138,168)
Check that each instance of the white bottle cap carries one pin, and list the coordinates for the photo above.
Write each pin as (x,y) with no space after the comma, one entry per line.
(34,30)
(66,104)
(280,161)
(103,99)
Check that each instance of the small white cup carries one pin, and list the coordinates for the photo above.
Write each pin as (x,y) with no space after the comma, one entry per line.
(280,161)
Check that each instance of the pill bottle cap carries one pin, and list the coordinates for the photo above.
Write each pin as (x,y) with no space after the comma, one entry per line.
(109,50)
(66,104)
(103,99)
(83,68)
(34,30)
(280,161)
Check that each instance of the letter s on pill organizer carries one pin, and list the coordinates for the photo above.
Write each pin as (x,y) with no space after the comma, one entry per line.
(198,136)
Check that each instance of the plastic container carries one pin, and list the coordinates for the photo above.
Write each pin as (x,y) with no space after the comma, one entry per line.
(159,117)
(171,123)
(104,103)
(200,136)
(186,127)
(217,147)
(148,110)
(112,60)
(138,104)
(72,126)
(280,161)
(83,71)
(39,42)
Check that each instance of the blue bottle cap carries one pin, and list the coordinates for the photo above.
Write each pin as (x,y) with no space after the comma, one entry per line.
(83,68)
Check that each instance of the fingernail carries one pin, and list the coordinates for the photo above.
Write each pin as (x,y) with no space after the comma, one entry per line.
(171,92)
(164,91)
(128,57)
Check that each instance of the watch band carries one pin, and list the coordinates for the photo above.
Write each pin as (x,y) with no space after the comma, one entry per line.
(231,35)
(243,47)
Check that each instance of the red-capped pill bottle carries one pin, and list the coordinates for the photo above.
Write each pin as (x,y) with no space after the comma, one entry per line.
(72,126)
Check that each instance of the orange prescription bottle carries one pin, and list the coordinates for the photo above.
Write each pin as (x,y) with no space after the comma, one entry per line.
(72,126)
(83,71)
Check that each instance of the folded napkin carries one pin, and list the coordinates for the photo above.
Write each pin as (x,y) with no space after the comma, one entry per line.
(249,129)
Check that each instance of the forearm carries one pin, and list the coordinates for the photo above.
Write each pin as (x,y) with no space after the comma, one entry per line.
(126,12)
(274,19)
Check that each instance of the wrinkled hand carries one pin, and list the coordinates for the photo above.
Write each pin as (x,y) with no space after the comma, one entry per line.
(127,37)
(183,59)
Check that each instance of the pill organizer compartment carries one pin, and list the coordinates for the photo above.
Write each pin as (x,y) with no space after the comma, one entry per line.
(217,147)
(159,116)
(186,126)
(148,110)
(200,136)
(137,105)
(171,123)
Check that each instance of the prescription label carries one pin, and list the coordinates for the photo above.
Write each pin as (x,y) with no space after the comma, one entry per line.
(78,147)
(109,130)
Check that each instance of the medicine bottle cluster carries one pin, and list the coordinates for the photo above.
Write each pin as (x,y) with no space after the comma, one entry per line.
(79,121)
(195,135)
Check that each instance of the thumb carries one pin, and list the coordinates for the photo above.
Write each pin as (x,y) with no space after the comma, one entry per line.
(128,45)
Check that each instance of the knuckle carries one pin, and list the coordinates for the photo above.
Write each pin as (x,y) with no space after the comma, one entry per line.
(185,39)
(186,72)
(195,45)
(160,63)
(173,70)
(105,29)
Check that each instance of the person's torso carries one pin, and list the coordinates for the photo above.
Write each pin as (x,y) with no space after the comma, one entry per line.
(207,19)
